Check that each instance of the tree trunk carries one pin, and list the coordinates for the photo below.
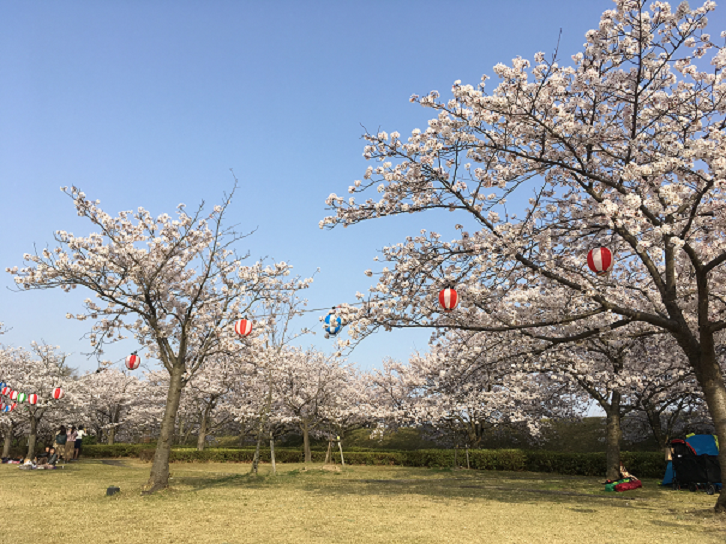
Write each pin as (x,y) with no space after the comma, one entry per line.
(340,447)
(8,441)
(614,434)
(711,380)
(159,477)
(111,433)
(655,426)
(203,429)
(306,443)
(33,436)
(256,458)
(468,467)
(328,453)
(272,454)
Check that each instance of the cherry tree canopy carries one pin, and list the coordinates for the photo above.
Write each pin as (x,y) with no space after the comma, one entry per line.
(623,148)
(176,284)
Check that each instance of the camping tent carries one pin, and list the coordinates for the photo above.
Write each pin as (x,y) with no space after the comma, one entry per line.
(704,444)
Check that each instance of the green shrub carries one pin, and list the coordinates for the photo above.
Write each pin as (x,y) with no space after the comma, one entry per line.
(115,450)
(642,464)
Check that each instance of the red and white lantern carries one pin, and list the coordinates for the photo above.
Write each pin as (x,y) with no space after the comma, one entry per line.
(600,260)
(133,361)
(13,405)
(14,395)
(33,399)
(448,298)
(5,390)
(58,393)
(243,327)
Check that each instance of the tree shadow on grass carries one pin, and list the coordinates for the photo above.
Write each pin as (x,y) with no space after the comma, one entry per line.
(201,483)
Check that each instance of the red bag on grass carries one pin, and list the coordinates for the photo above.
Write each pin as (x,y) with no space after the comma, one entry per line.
(627,486)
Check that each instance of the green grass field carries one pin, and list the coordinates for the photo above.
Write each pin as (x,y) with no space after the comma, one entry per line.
(220,503)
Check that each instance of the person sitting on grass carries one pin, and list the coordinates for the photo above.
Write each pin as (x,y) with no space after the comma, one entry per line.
(52,460)
(43,459)
(624,473)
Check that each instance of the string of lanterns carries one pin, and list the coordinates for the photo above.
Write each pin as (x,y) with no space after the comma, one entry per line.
(600,261)
(17,397)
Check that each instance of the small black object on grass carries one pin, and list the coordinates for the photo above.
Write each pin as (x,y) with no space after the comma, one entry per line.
(112,490)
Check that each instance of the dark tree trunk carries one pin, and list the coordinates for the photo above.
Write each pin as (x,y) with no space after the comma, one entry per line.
(328,453)
(655,426)
(711,380)
(8,441)
(306,442)
(111,434)
(33,436)
(201,439)
(159,477)
(614,434)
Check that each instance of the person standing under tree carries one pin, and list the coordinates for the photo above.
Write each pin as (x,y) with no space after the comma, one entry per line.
(71,444)
(79,440)
(60,440)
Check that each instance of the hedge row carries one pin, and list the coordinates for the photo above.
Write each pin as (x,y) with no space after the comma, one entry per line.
(643,464)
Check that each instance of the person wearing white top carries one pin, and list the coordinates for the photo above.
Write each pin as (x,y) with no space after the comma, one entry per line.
(80,433)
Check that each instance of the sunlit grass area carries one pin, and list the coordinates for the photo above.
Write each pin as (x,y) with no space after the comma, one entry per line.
(220,503)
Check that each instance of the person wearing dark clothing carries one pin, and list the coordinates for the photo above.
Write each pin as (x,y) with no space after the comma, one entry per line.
(60,440)
(80,433)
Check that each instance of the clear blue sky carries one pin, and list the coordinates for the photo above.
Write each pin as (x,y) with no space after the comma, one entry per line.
(151,103)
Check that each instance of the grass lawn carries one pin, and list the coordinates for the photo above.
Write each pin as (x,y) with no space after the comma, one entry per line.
(219,503)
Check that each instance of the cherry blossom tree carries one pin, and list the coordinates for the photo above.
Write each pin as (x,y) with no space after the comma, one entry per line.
(463,389)
(39,372)
(623,149)
(314,388)
(620,372)
(210,392)
(113,402)
(176,285)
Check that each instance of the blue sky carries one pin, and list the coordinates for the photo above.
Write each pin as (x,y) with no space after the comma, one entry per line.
(151,103)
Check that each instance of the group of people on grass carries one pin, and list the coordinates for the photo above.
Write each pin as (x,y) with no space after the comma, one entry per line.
(66,447)
(68,443)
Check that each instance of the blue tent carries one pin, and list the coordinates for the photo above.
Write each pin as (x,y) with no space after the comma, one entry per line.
(704,444)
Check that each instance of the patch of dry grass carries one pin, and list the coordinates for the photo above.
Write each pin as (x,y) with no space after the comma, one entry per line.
(219,503)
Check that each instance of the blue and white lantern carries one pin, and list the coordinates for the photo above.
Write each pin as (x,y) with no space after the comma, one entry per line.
(333,324)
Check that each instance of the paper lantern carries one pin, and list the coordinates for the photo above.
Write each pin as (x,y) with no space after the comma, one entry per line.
(133,361)
(58,393)
(243,327)
(600,260)
(33,399)
(2,385)
(333,324)
(5,390)
(14,395)
(22,397)
(448,298)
